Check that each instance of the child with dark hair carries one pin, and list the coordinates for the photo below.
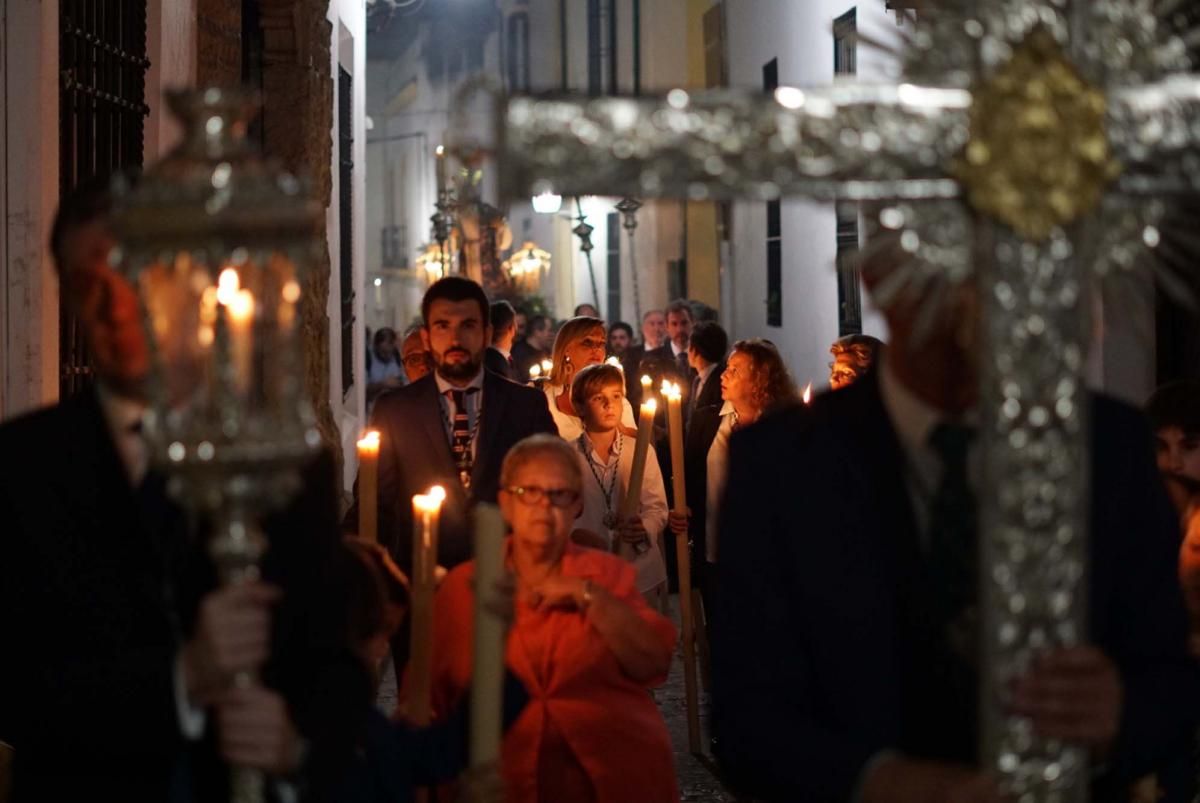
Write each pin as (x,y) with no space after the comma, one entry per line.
(1174,412)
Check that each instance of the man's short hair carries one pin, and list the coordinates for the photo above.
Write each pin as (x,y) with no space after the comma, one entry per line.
(646,315)
(590,381)
(91,200)
(455,288)
(536,324)
(503,316)
(1176,404)
(680,305)
(624,327)
(710,341)
(382,334)
(579,310)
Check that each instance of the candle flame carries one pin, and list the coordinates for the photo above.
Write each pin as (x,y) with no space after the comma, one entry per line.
(535,371)
(228,284)
(369,442)
(614,362)
(646,382)
(665,389)
(441,150)
(431,502)
(547,367)
(291,291)
(672,391)
(241,307)
(807,395)
(650,406)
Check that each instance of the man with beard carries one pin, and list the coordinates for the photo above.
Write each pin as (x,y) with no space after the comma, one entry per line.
(451,428)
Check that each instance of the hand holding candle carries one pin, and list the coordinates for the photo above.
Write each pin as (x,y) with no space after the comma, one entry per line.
(368,486)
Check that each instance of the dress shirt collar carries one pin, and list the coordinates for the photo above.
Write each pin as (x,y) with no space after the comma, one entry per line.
(676,350)
(444,386)
(123,416)
(506,353)
(913,419)
(727,409)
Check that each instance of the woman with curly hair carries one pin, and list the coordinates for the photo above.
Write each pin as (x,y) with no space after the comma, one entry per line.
(755,381)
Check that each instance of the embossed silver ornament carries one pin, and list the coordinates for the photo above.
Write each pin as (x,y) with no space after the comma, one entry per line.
(1123,74)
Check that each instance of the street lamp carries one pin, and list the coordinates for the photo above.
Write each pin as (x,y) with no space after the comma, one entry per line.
(547,203)
(220,245)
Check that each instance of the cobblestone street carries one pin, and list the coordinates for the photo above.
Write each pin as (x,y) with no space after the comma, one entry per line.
(696,780)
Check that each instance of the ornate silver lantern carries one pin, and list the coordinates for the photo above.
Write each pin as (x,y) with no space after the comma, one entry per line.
(218,244)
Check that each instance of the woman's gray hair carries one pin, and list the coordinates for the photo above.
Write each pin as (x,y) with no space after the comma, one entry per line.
(536,446)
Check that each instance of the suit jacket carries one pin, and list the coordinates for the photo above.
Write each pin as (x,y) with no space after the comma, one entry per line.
(497,363)
(823,582)
(415,454)
(99,586)
(631,363)
(710,393)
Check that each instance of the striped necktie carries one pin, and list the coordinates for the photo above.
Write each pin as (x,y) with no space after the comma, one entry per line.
(461,434)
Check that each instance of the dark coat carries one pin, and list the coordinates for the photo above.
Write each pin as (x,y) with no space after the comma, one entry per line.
(99,587)
(524,357)
(822,581)
(415,454)
(497,363)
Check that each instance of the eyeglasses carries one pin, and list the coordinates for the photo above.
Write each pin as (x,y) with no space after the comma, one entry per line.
(533,494)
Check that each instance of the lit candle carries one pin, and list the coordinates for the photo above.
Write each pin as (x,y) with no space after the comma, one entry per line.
(441,171)
(534,372)
(646,383)
(239,308)
(616,363)
(427,509)
(547,367)
(807,395)
(487,677)
(683,562)
(368,485)
(631,502)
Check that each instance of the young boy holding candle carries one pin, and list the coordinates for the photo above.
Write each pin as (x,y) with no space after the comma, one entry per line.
(607,457)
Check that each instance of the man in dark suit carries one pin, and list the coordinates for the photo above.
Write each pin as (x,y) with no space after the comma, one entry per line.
(706,355)
(118,652)
(533,348)
(452,428)
(499,359)
(861,683)
(671,358)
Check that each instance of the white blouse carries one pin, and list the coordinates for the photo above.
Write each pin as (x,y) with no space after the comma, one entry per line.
(650,567)
(569,426)
(718,470)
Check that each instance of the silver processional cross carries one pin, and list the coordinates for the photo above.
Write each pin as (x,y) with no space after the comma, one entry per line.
(1031,150)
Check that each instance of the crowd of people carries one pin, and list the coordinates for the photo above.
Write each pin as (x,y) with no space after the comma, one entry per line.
(832,543)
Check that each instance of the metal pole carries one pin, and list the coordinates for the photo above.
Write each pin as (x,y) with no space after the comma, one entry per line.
(584,232)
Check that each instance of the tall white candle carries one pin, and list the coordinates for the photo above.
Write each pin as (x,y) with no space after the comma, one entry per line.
(487,679)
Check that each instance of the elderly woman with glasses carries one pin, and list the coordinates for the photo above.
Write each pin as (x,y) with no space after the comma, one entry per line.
(583,641)
(580,342)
